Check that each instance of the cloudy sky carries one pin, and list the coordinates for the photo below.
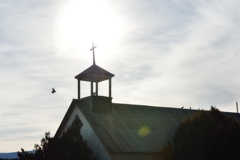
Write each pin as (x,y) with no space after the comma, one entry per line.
(170,53)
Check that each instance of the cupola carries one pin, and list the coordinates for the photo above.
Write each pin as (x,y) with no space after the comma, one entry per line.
(96,74)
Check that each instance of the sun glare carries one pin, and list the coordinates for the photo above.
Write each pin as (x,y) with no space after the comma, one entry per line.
(144,131)
(79,23)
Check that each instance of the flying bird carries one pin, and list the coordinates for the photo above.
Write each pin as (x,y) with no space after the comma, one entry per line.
(53,90)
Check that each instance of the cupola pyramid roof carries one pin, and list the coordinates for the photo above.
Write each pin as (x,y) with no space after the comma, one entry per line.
(99,74)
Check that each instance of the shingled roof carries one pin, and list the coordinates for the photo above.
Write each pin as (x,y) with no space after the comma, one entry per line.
(99,74)
(120,130)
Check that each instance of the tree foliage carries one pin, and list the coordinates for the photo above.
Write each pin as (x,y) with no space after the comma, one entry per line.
(70,146)
(167,151)
(206,136)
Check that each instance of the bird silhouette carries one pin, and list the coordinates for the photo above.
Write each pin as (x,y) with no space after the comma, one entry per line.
(182,107)
(53,90)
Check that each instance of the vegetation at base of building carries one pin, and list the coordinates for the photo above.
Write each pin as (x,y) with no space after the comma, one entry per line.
(206,135)
(70,146)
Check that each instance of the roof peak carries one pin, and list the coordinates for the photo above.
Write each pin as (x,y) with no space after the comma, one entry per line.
(99,73)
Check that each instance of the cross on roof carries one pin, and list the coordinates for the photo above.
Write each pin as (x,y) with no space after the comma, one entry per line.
(92,49)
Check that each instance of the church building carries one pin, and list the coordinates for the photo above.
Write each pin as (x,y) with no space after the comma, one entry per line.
(116,131)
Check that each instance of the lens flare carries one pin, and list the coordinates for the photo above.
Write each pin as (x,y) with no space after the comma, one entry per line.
(144,131)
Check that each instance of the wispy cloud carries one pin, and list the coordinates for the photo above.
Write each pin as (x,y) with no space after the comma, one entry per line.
(163,53)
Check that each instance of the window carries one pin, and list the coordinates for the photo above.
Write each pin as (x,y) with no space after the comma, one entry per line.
(77,122)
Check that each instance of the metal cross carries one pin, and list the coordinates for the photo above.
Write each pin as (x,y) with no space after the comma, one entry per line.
(92,49)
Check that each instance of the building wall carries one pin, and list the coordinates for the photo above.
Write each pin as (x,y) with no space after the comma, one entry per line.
(90,136)
(136,156)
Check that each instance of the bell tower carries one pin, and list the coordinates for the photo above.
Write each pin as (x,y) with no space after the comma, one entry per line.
(96,74)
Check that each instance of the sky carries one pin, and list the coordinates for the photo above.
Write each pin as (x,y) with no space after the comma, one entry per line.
(169,53)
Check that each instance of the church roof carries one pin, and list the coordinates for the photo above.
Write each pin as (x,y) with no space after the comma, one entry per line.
(133,128)
(99,74)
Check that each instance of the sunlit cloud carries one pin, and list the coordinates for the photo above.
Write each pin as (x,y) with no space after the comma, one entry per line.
(81,22)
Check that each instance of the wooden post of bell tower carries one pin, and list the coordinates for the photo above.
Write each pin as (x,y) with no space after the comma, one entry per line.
(79,89)
(110,88)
